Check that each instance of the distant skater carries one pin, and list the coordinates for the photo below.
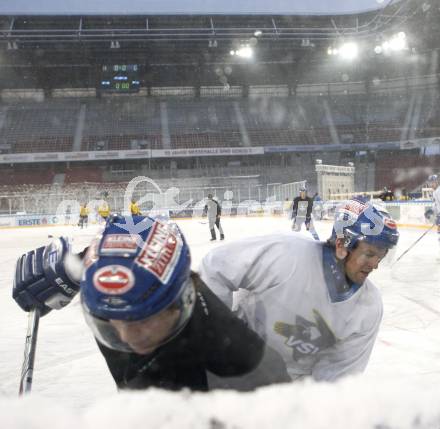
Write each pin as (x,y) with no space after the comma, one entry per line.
(214,211)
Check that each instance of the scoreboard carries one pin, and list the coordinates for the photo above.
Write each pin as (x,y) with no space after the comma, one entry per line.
(119,77)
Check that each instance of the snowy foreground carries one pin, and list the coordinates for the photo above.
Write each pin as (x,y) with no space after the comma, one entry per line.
(73,389)
(353,403)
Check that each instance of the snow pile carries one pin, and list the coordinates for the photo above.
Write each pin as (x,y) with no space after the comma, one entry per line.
(358,402)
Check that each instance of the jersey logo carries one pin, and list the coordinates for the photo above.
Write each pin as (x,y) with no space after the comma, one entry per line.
(117,244)
(305,337)
(302,207)
(161,252)
(113,280)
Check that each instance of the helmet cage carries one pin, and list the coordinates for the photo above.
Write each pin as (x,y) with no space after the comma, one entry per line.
(108,335)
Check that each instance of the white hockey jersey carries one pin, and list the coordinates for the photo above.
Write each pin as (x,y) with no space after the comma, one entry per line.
(436,200)
(285,297)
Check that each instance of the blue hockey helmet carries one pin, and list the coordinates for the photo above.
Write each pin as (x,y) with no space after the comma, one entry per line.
(134,273)
(358,220)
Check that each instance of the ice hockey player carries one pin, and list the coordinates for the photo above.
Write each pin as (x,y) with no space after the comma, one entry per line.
(310,300)
(83,216)
(155,322)
(134,208)
(104,211)
(433,181)
(386,194)
(67,215)
(214,211)
(318,206)
(302,213)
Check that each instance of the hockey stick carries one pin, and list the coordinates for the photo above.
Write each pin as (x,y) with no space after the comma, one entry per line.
(412,245)
(29,352)
(314,234)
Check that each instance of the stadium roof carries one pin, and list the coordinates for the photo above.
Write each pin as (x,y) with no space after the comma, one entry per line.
(190,7)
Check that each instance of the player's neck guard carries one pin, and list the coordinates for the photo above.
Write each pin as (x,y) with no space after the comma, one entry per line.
(338,286)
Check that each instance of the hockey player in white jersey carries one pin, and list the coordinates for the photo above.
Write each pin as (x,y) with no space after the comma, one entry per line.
(302,213)
(309,300)
(433,181)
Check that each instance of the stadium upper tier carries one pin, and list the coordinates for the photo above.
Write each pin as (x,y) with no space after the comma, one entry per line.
(94,7)
(63,125)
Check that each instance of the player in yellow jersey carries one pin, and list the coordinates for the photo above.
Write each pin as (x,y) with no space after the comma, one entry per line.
(104,210)
(134,208)
(83,216)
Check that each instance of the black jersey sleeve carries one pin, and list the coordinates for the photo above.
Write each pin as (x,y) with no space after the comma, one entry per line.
(230,347)
(234,349)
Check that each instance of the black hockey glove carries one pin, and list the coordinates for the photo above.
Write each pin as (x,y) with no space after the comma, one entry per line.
(43,280)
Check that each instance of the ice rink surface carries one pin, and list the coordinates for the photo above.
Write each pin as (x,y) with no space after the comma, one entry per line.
(70,369)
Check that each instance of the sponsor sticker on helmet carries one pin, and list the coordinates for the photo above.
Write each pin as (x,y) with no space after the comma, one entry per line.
(161,251)
(390,223)
(355,207)
(118,244)
(113,279)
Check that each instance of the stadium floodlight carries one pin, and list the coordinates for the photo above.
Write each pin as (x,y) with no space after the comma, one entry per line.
(332,51)
(378,49)
(346,51)
(349,51)
(245,52)
(398,42)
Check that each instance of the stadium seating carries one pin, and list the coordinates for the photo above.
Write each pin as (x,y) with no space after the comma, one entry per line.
(82,174)
(401,170)
(39,126)
(118,123)
(10,177)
